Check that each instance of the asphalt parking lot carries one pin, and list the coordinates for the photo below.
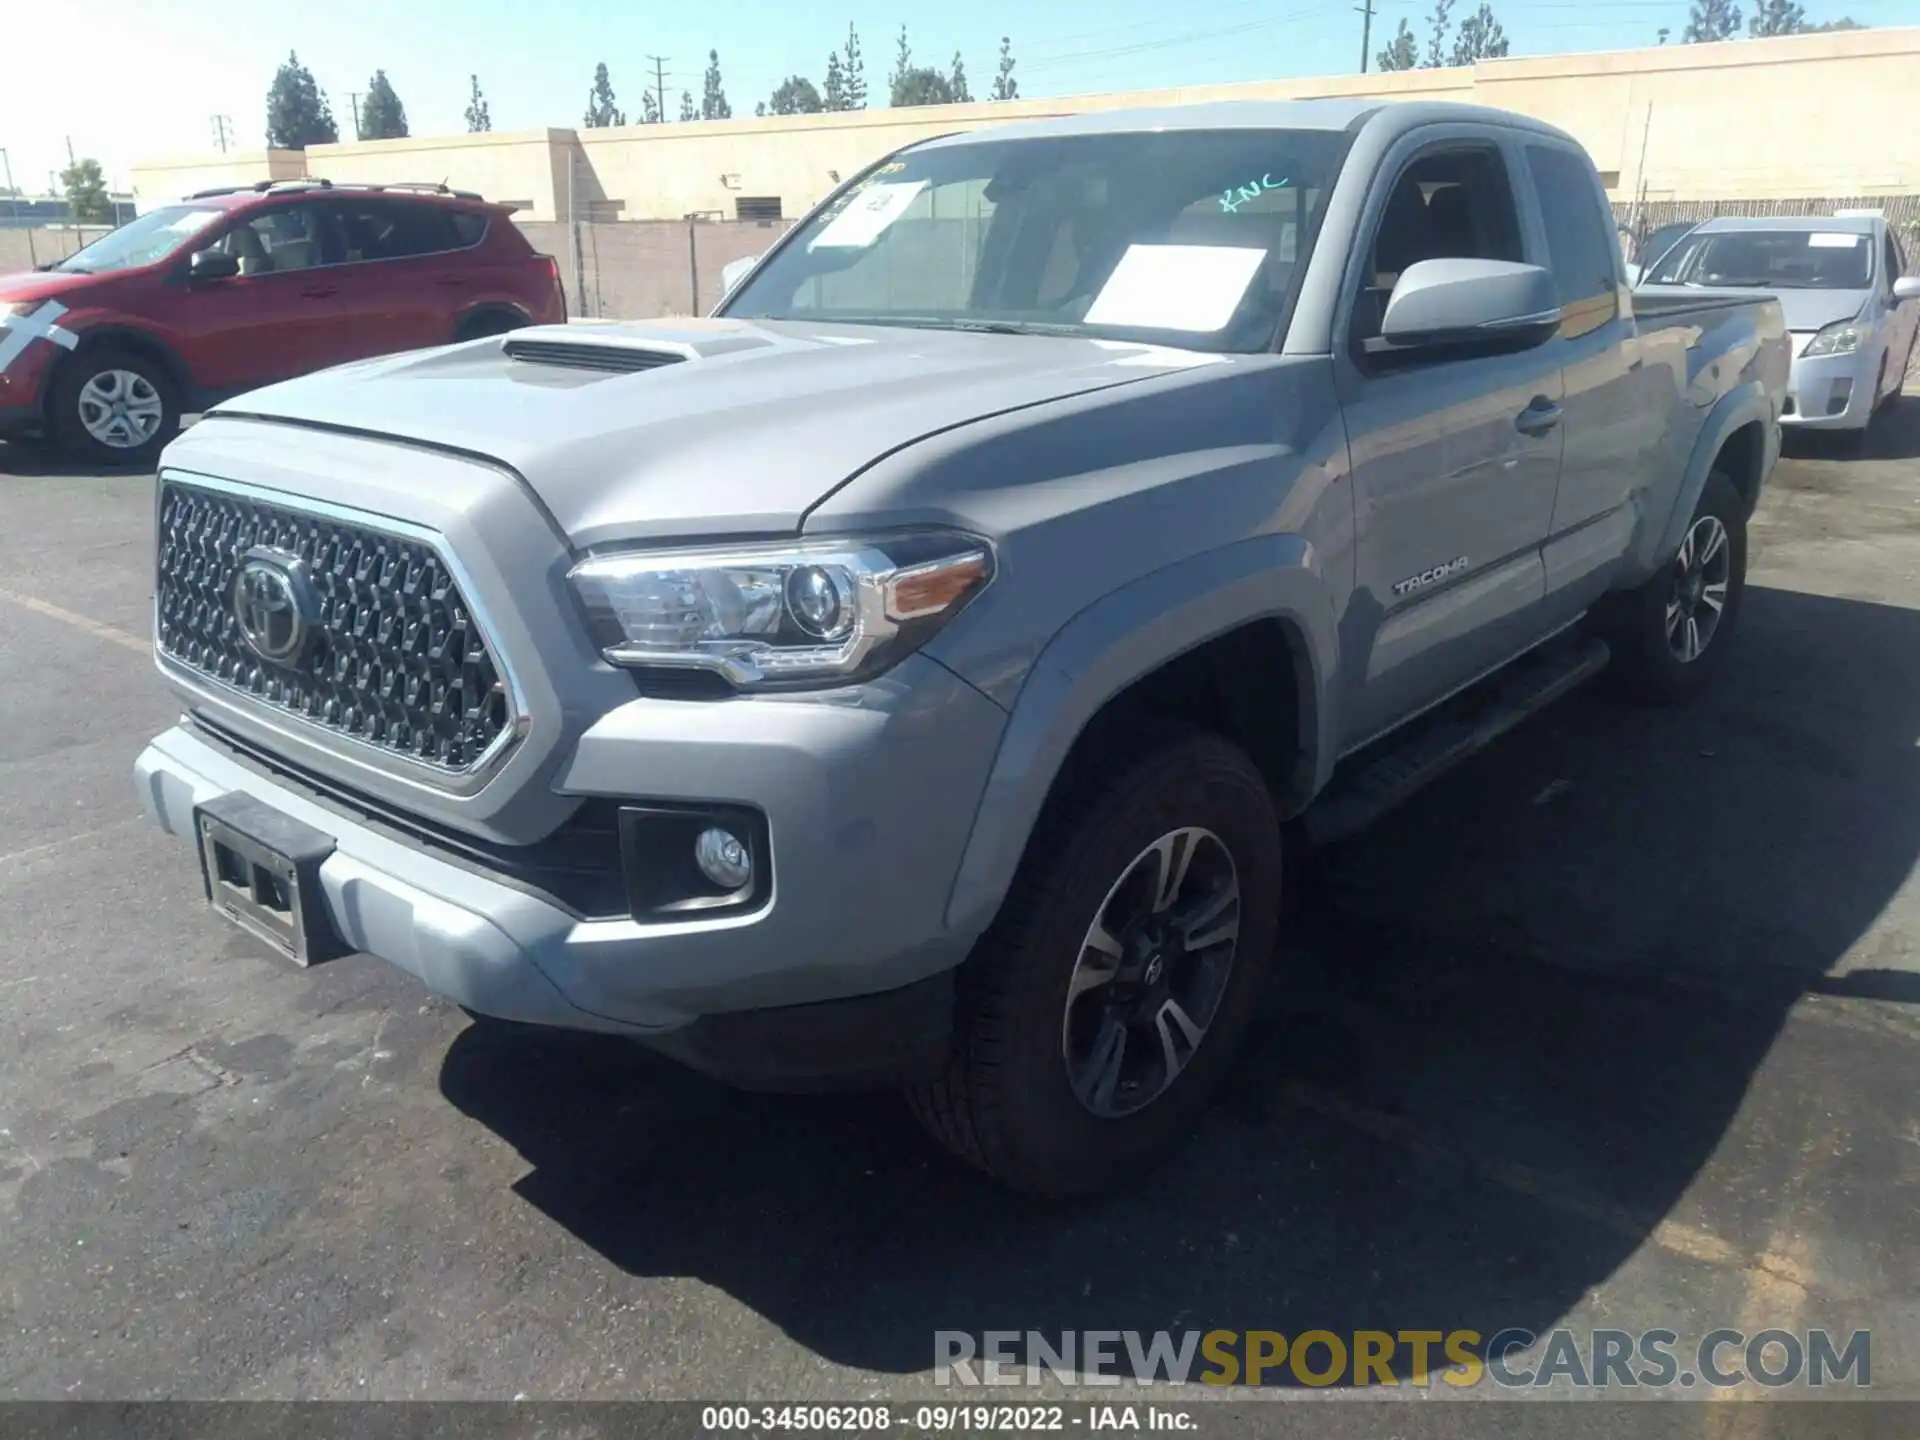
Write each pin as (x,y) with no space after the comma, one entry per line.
(1619,1025)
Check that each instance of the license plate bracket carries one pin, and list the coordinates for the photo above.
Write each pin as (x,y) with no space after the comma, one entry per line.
(261,870)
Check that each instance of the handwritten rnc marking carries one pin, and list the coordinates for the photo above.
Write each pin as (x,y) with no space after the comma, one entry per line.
(1232,200)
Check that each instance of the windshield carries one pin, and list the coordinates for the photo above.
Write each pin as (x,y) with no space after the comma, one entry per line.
(1185,237)
(1770,260)
(142,241)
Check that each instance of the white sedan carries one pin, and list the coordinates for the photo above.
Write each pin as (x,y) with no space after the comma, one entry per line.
(1852,309)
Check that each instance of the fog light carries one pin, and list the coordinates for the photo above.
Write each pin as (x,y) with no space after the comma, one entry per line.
(722,858)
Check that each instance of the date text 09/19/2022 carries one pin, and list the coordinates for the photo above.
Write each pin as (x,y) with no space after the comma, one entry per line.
(997,1419)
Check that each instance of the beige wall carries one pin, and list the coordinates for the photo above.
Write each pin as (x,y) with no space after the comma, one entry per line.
(160,182)
(1797,116)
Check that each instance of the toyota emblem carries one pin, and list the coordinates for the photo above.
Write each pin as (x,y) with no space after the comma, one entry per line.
(273,603)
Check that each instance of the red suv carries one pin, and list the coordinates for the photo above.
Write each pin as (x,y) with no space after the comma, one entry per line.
(232,289)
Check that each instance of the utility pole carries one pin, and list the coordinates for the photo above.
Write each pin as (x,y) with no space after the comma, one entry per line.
(354,97)
(660,82)
(70,160)
(1366,32)
(223,132)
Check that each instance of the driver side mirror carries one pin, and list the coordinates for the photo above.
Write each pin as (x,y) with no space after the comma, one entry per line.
(212,265)
(734,272)
(1907,287)
(1490,304)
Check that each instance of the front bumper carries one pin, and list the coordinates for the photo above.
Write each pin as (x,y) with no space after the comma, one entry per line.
(869,806)
(1832,392)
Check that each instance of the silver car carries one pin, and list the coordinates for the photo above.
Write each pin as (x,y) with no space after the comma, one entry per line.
(1850,309)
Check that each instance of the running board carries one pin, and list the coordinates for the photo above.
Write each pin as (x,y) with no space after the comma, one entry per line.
(1430,746)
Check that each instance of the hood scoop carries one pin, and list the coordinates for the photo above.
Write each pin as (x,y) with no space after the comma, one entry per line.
(603,358)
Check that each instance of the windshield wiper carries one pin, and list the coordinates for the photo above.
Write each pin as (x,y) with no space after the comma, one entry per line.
(1014,327)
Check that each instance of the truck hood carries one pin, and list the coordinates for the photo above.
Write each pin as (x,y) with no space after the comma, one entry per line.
(732,427)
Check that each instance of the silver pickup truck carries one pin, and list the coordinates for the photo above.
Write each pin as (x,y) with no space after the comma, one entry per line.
(906,676)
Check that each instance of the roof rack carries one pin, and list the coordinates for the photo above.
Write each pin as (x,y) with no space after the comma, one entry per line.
(262,187)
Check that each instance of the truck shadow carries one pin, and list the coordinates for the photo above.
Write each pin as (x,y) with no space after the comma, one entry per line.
(1518,1018)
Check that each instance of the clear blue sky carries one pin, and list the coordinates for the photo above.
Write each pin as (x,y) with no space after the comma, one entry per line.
(155,71)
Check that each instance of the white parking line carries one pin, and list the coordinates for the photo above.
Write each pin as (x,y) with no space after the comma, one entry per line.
(110,633)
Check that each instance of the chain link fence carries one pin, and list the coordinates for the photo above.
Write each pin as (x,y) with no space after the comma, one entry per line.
(1902,212)
(639,269)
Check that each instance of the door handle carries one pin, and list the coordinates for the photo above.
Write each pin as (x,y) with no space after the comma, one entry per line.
(320,292)
(1538,418)
(452,280)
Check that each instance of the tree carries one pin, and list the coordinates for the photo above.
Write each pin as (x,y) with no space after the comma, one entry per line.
(649,108)
(1005,87)
(382,116)
(1437,39)
(687,112)
(479,118)
(902,65)
(1845,22)
(833,94)
(1402,54)
(297,112)
(86,191)
(1777,17)
(921,85)
(957,82)
(602,113)
(855,70)
(796,96)
(1480,38)
(713,99)
(1712,20)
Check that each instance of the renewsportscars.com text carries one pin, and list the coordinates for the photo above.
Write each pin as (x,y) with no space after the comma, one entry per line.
(1513,1358)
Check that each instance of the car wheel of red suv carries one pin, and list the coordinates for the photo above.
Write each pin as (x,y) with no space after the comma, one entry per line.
(114,407)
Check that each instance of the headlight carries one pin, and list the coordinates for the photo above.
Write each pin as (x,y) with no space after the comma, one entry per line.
(1841,338)
(796,613)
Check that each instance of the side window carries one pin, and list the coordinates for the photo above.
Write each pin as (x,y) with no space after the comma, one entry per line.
(1451,204)
(1895,266)
(377,229)
(1578,236)
(469,228)
(285,237)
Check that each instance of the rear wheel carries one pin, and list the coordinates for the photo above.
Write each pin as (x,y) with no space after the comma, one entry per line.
(114,407)
(490,322)
(1670,634)
(1103,1008)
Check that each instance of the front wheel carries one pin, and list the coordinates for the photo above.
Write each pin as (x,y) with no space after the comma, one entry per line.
(1671,633)
(1102,1009)
(114,407)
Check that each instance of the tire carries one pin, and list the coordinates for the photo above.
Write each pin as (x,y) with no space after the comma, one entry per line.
(1647,661)
(82,413)
(1007,1103)
(490,322)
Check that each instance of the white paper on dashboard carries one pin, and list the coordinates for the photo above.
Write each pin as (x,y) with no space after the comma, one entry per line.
(1821,240)
(1175,287)
(868,215)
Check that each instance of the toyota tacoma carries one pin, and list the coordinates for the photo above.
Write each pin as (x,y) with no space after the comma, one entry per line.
(905,676)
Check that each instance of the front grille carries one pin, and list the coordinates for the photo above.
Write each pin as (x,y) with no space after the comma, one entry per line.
(612,359)
(395,658)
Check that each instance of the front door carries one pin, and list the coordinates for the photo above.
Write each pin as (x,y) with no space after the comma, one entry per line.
(1455,459)
(279,317)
